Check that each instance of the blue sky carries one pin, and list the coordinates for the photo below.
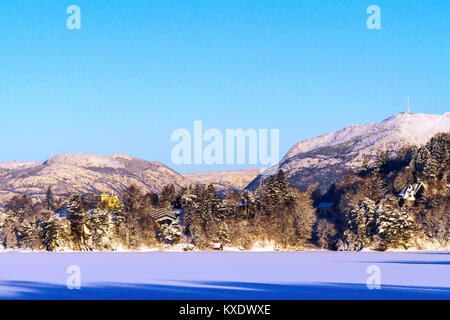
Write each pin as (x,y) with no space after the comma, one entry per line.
(138,70)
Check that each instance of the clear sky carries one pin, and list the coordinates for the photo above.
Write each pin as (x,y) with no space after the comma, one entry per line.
(138,70)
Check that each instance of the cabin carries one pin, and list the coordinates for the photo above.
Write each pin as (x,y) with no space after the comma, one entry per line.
(217,246)
(163,215)
(325,208)
(410,192)
(108,201)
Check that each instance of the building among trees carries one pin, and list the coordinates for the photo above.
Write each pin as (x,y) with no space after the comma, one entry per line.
(409,193)
(108,201)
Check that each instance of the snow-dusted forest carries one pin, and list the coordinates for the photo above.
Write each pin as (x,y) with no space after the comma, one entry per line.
(396,202)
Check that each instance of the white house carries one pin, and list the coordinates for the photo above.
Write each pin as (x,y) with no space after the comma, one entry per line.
(408,194)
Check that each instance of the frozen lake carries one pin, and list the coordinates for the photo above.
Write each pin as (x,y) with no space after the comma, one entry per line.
(225,275)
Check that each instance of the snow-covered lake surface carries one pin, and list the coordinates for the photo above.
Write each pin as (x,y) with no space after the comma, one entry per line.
(226,275)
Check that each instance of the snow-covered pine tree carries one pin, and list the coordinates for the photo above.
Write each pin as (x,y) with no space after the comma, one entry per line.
(364,166)
(213,202)
(28,235)
(53,233)
(118,214)
(189,203)
(171,233)
(349,242)
(224,235)
(281,182)
(167,196)
(432,168)
(304,215)
(395,227)
(9,231)
(132,199)
(287,216)
(102,226)
(362,221)
(78,219)
(50,199)
(213,212)
(381,161)
(249,201)
(435,220)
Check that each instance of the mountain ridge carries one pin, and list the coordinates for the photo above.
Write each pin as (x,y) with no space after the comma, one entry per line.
(85,173)
(324,159)
(93,173)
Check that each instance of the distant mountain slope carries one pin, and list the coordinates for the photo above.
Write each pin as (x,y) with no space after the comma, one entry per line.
(323,159)
(95,173)
(326,158)
(224,180)
(85,173)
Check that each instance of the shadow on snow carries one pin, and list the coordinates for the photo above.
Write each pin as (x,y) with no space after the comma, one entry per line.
(216,291)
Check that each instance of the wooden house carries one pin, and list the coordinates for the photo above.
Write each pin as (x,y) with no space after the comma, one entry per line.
(163,215)
(108,201)
(410,192)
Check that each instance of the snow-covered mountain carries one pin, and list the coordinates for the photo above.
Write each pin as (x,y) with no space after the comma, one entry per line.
(87,173)
(323,159)
(326,158)
(84,173)
(223,180)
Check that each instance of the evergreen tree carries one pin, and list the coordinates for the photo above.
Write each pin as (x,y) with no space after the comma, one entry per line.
(364,165)
(28,235)
(170,233)
(325,233)
(433,159)
(212,212)
(78,222)
(189,202)
(249,201)
(118,214)
(9,231)
(102,226)
(132,199)
(50,199)
(53,233)
(435,219)
(362,221)
(21,206)
(154,199)
(167,196)
(304,216)
(382,162)
(287,216)
(395,226)
(224,235)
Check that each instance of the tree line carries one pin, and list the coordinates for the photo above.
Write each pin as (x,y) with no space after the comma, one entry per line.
(366,212)
(275,212)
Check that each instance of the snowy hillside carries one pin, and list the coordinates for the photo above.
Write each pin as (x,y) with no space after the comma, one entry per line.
(224,180)
(326,158)
(95,173)
(16,164)
(84,173)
